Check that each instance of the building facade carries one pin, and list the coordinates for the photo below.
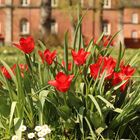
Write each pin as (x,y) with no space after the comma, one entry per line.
(109,17)
(24,17)
(19,18)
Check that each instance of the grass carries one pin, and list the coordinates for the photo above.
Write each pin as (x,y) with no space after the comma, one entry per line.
(11,55)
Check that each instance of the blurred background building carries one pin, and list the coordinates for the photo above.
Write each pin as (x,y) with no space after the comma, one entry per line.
(42,18)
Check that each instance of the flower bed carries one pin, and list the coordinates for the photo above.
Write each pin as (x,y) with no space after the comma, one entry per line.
(90,96)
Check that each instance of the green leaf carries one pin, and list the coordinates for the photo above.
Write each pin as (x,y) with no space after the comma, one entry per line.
(118,110)
(112,38)
(108,104)
(74,101)
(90,128)
(77,29)
(119,85)
(120,56)
(66,52)
(9,71)
(96,105)
(2,125)
(64,112)
(101,81)
(42,44)
(42,96)
(13,107)
(81,114)
(18,122)
(99,130)
(100,38)
(133,59)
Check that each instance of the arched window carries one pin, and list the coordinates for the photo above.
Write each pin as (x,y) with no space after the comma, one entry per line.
(54,27)
(54,3)
(107,4)
(135,18)
(24,26)
(106,28)
(25,2)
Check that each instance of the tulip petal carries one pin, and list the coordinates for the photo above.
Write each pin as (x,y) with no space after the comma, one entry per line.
(17,45)
(41,55)
(53,83)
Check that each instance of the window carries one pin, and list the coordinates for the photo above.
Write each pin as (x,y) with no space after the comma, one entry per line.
(106,28)
(24,27)
(54,27)
(135,18)
(25,2)
(54,3)
(134,35)
(107,4)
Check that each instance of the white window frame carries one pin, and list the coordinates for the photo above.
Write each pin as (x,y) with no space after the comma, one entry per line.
(54,27)
(25,3)
(134,34)
(106,4)
(24,28)
(54,3)
(135,18)
(107,28)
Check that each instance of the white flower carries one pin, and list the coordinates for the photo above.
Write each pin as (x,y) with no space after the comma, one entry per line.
(46,129)
(41,139)
(45,126)
(41,134)
(15,137)
(44,132)
(38,128)
(31,135)
(23,128)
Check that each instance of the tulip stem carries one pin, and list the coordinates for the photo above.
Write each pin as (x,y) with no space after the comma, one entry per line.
(65,99)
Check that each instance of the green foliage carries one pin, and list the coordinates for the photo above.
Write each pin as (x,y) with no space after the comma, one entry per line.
(90,109)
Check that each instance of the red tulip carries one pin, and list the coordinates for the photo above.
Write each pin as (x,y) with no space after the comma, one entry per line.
(41,56)
(47,56)
(80,56)
(26,45)
(124,75)
(69,65)
(102,64)
(5,72)
(62,82)
(106,40)
(22,67)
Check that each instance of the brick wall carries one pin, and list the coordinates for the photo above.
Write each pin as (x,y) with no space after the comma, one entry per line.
(33,17)
(32,13)
(61,15)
